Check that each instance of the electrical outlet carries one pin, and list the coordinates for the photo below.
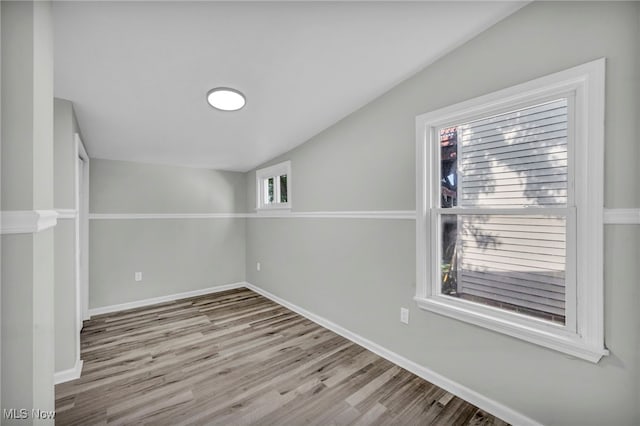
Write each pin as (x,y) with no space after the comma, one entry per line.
(404,315)
(138,276)
(258,266)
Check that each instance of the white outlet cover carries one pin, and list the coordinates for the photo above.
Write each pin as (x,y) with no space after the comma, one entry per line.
(258,266)
(138,276)
(404,315)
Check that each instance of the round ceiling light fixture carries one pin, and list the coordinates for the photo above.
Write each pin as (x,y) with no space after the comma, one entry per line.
(226,99)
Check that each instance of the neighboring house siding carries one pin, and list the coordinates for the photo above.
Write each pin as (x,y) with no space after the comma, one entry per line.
(518,260)
(514,160)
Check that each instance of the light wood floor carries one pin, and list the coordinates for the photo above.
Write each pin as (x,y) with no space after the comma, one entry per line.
(238,358)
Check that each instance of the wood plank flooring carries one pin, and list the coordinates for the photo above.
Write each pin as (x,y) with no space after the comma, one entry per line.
(238,358)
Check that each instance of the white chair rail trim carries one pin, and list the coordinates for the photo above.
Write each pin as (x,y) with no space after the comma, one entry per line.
(611,216)
(27,221)
(372,214)
(130,216)
(67,213)
(622,216)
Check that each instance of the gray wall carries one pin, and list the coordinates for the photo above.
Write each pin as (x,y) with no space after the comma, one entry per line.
(174,255)
(358,273)
(127,187)
(65,127)
(66,342)
(27,176)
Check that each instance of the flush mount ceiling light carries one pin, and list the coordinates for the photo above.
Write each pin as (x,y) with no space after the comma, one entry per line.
(226,99)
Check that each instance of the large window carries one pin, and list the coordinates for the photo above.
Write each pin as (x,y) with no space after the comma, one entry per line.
(510,211)
(273,187)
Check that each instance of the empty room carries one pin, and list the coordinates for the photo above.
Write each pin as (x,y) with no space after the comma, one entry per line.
(320,213)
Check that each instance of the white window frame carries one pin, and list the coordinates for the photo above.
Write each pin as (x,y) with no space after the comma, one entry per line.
(275,172)
(583,334)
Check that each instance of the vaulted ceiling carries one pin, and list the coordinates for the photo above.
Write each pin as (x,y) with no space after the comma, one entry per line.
(138,72)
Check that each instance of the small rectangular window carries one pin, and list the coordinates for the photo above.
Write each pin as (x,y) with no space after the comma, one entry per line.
(273,187)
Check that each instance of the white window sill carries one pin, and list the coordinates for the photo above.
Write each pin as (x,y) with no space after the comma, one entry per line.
(277,208)
(544,334)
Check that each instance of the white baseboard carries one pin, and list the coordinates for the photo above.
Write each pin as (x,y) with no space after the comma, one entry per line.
(68,375)
(469,395)
(162,299)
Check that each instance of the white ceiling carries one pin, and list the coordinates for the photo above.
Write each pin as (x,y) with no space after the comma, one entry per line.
(138,73)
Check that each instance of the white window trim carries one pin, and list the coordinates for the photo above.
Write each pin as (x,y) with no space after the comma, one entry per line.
(274,171)
(586,341)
